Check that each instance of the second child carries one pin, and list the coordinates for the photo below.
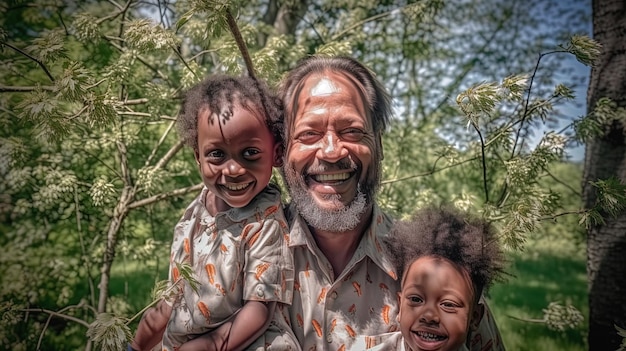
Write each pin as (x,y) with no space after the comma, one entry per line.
(447,261)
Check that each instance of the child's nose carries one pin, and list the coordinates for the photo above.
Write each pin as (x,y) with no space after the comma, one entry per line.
(430,316)
(233,168)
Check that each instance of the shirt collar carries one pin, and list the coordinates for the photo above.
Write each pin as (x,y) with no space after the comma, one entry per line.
(371,244)
(270,194)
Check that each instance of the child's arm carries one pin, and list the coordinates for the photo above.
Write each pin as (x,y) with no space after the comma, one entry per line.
(151,327)
(249,324)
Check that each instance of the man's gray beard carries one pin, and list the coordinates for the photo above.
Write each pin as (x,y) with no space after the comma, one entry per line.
(345,218)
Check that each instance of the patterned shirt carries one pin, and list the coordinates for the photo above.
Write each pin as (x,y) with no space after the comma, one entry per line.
(330,314)
(385,342)
(238,255)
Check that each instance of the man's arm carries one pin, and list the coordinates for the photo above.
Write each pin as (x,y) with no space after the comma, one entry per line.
(248,325)
(151,327)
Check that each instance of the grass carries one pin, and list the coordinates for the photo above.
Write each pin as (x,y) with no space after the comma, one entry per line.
(540,277)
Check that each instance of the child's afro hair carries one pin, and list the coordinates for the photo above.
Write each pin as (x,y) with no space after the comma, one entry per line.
(464,240)
(219,93)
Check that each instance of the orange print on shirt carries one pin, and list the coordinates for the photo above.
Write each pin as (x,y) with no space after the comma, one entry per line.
(321,296)
(210,271)
(352,309)
(175,273)
(350,331)
(300,320)
(385,313)
(370,341)
(223,248)
(220,289)
(270,210)
(245,232)
(307,269)
(260,269)
(254,238)
(383,286)
(342,347)
(333,324)
(186,245)
(357,288)
(317,327)
(204,310)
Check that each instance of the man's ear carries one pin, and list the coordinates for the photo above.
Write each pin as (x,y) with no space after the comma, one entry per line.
(477,315)
(279,153)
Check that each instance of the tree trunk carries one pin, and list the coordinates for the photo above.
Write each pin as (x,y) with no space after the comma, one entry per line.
(605,157)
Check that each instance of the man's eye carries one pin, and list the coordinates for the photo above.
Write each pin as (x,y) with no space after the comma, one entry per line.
(309,137)
(352,134)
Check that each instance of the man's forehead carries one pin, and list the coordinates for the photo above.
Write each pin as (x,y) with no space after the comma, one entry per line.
(327,83)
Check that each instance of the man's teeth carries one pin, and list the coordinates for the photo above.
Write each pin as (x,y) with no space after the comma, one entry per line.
(331,177)
(235,187)
(430,336)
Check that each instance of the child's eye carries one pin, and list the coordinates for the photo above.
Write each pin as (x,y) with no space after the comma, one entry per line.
(415,299)
(215,156)
(250,153)
(448,305)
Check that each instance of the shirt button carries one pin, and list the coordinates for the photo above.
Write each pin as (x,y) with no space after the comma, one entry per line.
(333,295)
(259,291)
(329,338)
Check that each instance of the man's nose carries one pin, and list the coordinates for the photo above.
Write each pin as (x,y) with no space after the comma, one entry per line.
(332,148)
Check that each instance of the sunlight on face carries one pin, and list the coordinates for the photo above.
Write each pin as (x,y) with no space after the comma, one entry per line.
(436,303)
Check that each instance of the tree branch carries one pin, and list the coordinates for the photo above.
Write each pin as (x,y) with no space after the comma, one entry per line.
(161,140)
(169,155)
(43,67)
(141,59)
(241,44)
(569,187)
(433,171)
(135,102)
(23,89)
(484,161)
(57,314)
(159,197)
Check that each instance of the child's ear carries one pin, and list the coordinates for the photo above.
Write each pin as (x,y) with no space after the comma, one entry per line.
(477,316)
(399,296)
(279,151)
(196,154)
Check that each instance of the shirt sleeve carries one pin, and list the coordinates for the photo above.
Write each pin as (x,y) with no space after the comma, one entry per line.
(268,271)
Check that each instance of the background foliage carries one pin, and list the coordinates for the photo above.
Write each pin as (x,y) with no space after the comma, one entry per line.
(94,177)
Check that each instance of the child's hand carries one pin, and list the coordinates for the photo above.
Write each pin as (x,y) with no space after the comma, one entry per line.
(211,341)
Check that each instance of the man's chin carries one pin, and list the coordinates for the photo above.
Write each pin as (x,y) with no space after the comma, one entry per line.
(328,202)
(329,213)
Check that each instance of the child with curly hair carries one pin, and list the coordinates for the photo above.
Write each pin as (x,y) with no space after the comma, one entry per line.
(234,235)
(447,261)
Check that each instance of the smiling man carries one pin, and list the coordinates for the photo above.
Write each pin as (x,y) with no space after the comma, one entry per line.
(345,285)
